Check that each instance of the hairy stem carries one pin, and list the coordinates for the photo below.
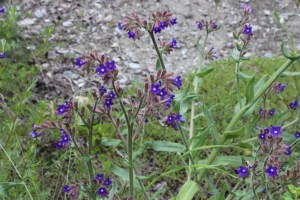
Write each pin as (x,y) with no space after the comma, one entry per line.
(157,50)
(129,142)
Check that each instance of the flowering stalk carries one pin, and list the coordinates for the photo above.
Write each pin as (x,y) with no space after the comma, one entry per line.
(129,142)
(237,71)
(157,50)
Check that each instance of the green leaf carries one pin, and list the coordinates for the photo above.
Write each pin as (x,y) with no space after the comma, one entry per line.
(205,72)
(238,47)
(245,58)
(235,36)
(124,175)
(211,122)
(141,149)
(235,133)
(107,141)
(235,55)
(158,64)
(297,3)
(185,103)
(243,75)
(228,161)
(167,146)
(250,90)
(188,190)
(183,94)
(288,74)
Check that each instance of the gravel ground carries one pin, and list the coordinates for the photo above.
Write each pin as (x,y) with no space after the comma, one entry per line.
(82,26)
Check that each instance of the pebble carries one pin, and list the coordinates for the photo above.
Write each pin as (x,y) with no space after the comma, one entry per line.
(134,65)
(71,74)
(40,13)
(27,22)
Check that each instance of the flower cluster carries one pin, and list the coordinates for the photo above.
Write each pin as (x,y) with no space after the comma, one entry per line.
(160,20)
(211,54)
(103,185)
(294,105)
(247,9)
(209,26)
(71,190)
(173,119)
(64,109)
(267,113)
(278,88)
(162,86)
(64,140)
(272,131)
(167,47)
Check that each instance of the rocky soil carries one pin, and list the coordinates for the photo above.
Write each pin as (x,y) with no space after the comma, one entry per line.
(84,25)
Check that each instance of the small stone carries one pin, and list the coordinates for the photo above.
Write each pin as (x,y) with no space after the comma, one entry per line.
(27,22)
(67,23)
(40,13)
(70,74)
(267,12)
(108,18)
(134,65)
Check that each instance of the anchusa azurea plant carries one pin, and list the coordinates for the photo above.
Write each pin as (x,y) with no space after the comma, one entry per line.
(162,99)
(154,100)
(273,167)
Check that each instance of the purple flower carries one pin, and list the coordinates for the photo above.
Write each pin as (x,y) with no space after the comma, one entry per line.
(170,100)
(272,112)
(242,171)
(178,82)
(59,144)
(112,95)
(99,178)
(173,43)
(272,171)
(179,118)
(65,138)
(120,26)
(108,103)
(3,55)
(278,87)
(261,111)
(34,134)
(155,88)
(101,70)
(275,131)
(62,131)
(157,29)
(213,25)
(266,131)
(246,8)
(64,107)
(102,192)
(131,35)
(211,54)
(173,21)
(163,25)
(102,90)
(162,93)
(172,120)
(200,25)
(2,10)
(107,182)
(79,62)
(248,30)
(262,136)
(288,150)
(67,188)
(297,134)
(294,105)
(111,65)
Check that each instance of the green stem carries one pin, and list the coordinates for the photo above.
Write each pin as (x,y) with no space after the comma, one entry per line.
(237,70)
(157,50)
(129,142)
(192,123)
(17,171)
(187,150)
(242,111)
